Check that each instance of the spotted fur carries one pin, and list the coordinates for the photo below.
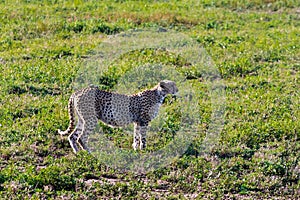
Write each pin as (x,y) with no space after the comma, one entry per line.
(92,104)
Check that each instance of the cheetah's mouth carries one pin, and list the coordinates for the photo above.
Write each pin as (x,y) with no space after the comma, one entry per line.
(171,98)
(175,96)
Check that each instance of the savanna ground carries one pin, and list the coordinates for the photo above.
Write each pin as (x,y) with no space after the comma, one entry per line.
(254,44)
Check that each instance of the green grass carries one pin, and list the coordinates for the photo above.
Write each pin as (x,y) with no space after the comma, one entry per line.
(254,44)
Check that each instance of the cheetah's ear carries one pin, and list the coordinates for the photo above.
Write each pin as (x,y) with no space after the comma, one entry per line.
(163,84)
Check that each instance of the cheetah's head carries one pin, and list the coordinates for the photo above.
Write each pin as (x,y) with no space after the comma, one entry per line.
(167,87)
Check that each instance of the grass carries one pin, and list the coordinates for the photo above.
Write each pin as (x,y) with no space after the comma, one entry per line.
(254,45)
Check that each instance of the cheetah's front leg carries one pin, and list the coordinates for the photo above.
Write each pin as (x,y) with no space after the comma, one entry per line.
(143,132)
(136,136)
(139,136)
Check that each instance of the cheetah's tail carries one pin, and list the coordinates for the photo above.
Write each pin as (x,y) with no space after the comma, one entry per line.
(71,117)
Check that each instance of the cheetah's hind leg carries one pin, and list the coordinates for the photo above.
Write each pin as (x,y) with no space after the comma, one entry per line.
(88,127)
(73,137)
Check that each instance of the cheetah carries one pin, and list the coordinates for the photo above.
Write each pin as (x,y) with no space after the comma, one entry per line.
(116,110)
